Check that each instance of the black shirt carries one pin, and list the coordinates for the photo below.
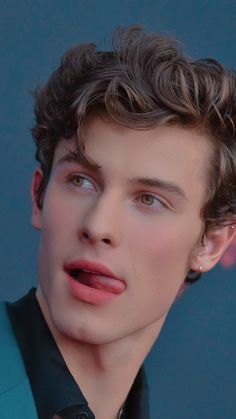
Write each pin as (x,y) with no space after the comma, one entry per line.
(54,389)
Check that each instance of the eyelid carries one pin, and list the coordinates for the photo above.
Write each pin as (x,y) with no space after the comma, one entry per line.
(84,176)
(157,196)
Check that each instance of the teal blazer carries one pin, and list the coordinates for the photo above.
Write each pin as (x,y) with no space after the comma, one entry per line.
(16,399)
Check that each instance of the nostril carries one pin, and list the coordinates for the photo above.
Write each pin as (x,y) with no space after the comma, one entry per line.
(93,238)
(85,235)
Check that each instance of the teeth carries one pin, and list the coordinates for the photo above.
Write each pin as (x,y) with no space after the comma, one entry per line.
(90,272)
(75,272)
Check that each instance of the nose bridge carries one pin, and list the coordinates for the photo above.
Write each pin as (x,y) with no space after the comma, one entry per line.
(102,221)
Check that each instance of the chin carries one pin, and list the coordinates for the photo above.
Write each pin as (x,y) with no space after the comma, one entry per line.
(74,329)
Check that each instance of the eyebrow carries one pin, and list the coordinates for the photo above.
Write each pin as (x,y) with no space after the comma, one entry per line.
(161,184)
(80,158)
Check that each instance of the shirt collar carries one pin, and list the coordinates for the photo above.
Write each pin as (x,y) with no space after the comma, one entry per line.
(54,388)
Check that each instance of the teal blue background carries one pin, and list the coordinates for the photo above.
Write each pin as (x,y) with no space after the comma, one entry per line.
(191,369)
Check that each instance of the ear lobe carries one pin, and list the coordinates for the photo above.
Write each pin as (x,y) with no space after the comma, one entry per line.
(36,211)
(215,245)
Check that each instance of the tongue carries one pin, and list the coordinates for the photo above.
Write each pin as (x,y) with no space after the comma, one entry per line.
(101,282)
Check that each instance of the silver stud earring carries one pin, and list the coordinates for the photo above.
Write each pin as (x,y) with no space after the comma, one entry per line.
(201,269)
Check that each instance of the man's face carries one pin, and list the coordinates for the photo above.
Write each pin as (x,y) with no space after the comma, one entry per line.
(138,215)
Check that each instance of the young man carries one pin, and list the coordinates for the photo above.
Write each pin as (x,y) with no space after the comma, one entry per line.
(134,198)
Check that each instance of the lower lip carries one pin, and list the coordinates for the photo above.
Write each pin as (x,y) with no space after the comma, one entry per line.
(89,294)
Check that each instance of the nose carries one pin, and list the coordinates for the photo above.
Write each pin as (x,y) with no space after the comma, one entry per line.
(102,222)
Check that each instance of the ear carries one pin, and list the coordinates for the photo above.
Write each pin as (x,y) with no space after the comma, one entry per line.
(36,211)
(215,244)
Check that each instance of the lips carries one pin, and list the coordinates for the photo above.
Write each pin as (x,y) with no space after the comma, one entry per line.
(93,282)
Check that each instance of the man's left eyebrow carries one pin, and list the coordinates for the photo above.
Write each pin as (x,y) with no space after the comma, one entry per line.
(79,158)
(160,184)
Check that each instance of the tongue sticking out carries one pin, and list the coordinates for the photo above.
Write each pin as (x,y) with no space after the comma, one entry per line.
(97,281)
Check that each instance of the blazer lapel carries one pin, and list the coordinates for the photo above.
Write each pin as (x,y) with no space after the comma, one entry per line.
(16,399)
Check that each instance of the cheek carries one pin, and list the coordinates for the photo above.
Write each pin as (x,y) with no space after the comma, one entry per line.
(159,242)
(59,214)
(56,232)
(159,257)
(54,209)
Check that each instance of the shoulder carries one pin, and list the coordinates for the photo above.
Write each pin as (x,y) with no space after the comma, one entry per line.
(16,398)
(12,369)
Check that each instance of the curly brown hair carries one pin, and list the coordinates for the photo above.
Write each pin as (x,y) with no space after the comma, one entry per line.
(143,82)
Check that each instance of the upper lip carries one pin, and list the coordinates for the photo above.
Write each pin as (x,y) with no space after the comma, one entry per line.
(94,267)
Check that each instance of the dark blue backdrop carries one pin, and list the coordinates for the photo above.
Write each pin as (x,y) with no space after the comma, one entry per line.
(191,369)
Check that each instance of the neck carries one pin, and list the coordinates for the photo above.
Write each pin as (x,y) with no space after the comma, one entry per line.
(105,371)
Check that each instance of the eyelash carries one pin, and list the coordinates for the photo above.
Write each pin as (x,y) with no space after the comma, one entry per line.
(161,205)
(71,178)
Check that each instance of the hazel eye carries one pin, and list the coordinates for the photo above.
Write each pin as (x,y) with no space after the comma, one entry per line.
(80,181)
(151,201)
(77,180)
(147,199)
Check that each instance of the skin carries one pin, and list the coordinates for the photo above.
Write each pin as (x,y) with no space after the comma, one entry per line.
(147,235)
